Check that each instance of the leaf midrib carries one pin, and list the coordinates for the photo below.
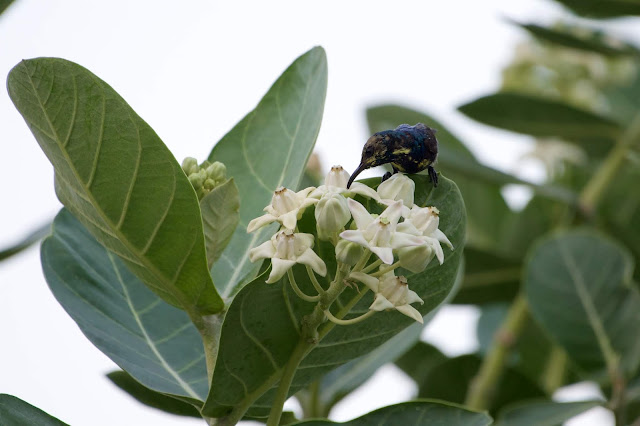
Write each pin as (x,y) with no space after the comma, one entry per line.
(123,239)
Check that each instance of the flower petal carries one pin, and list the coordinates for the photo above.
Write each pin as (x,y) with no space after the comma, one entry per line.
(309,257)
(435,244)
(392,213)
(439,235)
(278,268)
(263,251)
(355,237)
(381,303)
(411,312)
(384,253)
(289,219)
(360,214)
(400,239)
(412,297)
(368,280)
(364,190)
(261,221)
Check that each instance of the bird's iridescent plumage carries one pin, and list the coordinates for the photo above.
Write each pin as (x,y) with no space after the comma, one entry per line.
(408,149)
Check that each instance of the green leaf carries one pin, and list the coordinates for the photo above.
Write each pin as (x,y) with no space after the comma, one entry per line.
(32,238)
(338,383)
(263,321)
(269,148)
(152,398)
(596,43)
(220,215)
(537,116)
(114,173)
(153,341)
(603,8)
(578,285)
(450,381)
(418,361)
(542,413)
(431,412)
(16,412)
(4,4)
(479,184)
(488,277)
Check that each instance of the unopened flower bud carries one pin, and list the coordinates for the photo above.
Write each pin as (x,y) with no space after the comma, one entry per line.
(348,252)
(398,187)
(209,184)
(217,171)
(189,165)
(416,258)
(332,214)
(197,179)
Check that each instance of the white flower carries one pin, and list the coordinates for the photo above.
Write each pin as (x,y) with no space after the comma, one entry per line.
(332,214)
(379,234)
(397,187)
(391,292)
(336,181)
(423,222)
(286,207)
(285,249)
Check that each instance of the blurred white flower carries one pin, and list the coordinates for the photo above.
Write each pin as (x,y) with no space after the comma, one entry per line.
(391,292)
(286,207)
(285,249)
(379,234)
(336,181)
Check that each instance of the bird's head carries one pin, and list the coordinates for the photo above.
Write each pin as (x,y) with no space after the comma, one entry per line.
(374,153)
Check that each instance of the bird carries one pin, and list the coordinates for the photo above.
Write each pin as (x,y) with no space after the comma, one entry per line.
(408,149)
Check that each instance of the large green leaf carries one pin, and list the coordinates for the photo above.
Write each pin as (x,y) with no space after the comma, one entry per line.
(16,412)
(152,398)
(537,116)
(114,173)
(269,148)
(30,239)
(450,381)
(578,285)
(418,361)
(542,413)
(431,412)
(488,277)
(596,43)
(220,215)
(337,384)
(153,341)
(263,321)
(603,8)
(486,208)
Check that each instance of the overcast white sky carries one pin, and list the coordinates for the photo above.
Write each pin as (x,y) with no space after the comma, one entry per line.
(193,69)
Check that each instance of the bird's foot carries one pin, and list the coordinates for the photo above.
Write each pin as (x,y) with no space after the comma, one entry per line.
(433,176)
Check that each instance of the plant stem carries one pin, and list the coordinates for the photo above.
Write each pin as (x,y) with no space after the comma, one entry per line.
(363,261)
(387,269)
(314,280)
(308,339)
(350,321)
(554,371)
(595,187)
(373,266)
(296,289)
(484,384)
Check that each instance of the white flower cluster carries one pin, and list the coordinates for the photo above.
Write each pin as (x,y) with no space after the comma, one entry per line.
(415,241)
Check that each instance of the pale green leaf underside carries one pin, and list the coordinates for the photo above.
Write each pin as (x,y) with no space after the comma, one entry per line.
(579,288)
(153,341)
(269,148)
(115,174)
(263,321)
(220,217)
(414,413)
(16,412)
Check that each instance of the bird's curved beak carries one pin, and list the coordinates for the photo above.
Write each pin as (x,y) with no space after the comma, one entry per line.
(361,167)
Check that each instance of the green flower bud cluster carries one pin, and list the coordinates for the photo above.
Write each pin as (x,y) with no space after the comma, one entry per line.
(204,177)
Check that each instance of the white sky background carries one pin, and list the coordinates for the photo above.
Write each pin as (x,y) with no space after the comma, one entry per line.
(192,70)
